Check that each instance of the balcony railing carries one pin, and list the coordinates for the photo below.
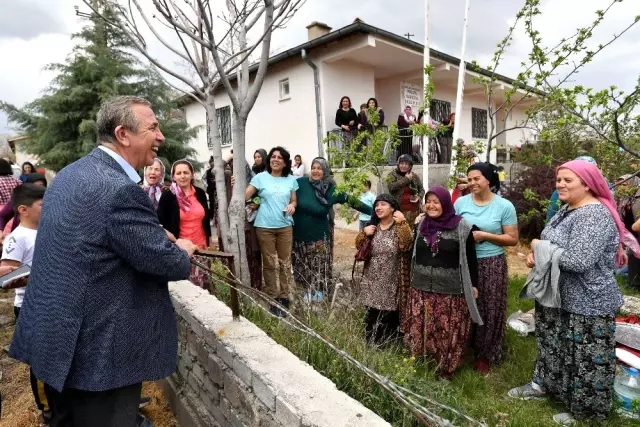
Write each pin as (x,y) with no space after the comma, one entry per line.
(341,140)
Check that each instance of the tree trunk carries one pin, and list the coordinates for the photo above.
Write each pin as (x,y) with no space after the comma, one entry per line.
(237,211)
(215,146)
(492,117)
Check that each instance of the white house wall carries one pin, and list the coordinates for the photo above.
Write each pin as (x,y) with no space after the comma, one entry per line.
(289,123)
(344,78)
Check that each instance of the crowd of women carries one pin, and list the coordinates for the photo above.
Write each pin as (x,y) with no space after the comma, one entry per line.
(439,281)
(435,273)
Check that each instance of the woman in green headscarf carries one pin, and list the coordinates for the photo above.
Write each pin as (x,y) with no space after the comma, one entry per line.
(311,258)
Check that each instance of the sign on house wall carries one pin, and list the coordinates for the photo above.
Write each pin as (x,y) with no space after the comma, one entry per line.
(411,94)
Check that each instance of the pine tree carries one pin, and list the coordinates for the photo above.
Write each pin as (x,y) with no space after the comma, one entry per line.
(61,124)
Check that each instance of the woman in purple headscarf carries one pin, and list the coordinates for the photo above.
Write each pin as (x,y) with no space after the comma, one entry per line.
(444,277)
(154,181)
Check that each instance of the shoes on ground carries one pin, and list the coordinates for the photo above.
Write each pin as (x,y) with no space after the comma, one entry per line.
(527,392)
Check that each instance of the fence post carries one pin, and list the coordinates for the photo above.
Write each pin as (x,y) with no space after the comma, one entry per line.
(233,292)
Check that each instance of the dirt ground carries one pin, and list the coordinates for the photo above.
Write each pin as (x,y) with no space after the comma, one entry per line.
(18,407)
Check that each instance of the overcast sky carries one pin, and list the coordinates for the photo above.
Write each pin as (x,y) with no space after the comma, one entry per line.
(34,33)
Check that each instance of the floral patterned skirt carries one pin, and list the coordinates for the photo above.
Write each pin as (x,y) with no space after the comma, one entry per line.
(576,360)
(312,265)
(438,326)
(492,305)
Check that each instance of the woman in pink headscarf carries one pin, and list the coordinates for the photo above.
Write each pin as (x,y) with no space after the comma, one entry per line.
(576,341)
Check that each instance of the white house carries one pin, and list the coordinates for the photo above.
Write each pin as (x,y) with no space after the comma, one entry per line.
(303,87)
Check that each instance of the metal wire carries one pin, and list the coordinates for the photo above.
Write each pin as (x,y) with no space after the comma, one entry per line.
(402,395)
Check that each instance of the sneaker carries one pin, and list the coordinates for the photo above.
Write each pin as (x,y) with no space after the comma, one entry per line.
(564,419)
(527,392)
(144,401)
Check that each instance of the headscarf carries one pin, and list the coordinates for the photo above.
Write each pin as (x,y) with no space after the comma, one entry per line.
(30,178)
(183,200)
(490,172)
(153,190)
(404,158)
(260,168)
(385,197)
(430,227)
(592,178)
(322,186)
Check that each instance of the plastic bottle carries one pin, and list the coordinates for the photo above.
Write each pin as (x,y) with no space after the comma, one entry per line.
(627,391)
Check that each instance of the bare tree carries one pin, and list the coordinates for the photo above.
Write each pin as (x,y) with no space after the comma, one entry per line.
(219,50)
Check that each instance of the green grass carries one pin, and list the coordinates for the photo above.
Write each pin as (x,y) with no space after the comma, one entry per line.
(483,398)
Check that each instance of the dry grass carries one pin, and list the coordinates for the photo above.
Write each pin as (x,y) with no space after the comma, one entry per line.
(18,406)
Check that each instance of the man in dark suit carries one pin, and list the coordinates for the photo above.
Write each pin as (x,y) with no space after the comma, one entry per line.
(97,319)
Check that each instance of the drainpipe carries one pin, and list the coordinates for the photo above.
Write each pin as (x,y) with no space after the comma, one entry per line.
(316,82)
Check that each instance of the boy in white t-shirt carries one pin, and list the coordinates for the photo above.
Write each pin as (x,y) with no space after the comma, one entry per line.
(18,250)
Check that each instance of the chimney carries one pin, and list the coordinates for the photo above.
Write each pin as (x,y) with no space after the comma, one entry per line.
(317,29)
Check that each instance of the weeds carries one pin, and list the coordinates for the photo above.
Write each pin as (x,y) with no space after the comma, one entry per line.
(483,398)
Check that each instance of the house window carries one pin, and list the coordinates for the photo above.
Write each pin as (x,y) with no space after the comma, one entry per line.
(284,89)
(224,125)
(440,110)
(478,123)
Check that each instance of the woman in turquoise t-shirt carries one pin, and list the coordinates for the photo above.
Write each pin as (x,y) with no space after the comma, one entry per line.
(496,218)
(276,188)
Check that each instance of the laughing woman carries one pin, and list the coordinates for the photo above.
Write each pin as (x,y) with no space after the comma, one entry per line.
(154,181)
(576,360)
(498,227)
(385,280)
(276,188)
(184,212)
(444,277)
(312,260)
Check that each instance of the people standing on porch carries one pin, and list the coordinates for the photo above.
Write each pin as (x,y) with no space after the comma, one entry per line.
(297,169)
(362,118)
(576,359)
(405,120)
(385,280)
(346,117)
(445,140)
(372,104)
(406,187)
(497,222)
(444,277)
(276,188)
(312,255)
(184,212)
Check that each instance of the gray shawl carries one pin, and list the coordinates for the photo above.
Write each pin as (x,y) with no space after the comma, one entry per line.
(543,280)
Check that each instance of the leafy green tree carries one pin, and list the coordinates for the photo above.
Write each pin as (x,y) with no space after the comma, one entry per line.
(61,123)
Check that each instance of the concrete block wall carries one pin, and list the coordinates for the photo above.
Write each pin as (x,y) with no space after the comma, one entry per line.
(230,373)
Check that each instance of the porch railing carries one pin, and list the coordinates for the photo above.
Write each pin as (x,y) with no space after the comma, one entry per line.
(409,144)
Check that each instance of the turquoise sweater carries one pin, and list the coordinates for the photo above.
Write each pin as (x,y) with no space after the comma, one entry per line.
(311,219)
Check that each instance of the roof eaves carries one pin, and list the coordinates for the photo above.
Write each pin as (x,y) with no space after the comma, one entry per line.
(361,27)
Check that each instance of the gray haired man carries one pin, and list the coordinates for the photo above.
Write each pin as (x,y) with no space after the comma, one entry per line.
(100,276)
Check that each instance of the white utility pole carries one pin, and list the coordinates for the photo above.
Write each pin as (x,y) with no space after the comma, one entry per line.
(461,75)
(427,108)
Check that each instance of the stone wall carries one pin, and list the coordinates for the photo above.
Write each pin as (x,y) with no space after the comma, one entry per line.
(230,373)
